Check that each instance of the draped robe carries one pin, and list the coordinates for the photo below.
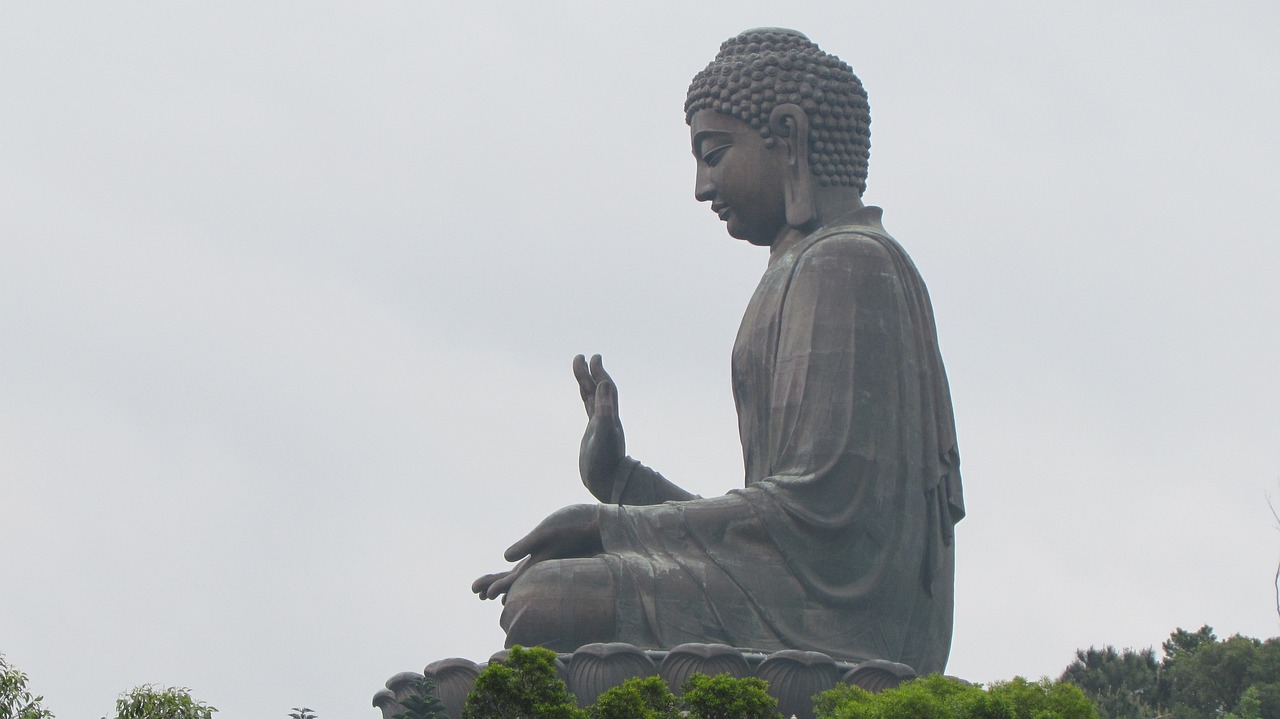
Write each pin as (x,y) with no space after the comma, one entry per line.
(842,539)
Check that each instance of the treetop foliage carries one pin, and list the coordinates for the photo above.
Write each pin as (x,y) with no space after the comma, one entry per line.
(1199,677)
(938,697)
(16,701)
(422,702)
(525,686)
(150,702)
(639,698)
(726,697)
(1183,642)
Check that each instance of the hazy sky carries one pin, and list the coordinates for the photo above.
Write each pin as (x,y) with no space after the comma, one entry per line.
(289,293)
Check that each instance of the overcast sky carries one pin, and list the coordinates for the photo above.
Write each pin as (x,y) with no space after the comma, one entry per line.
(289,293)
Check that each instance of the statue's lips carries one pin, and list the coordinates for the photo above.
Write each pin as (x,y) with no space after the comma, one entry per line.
(722,211)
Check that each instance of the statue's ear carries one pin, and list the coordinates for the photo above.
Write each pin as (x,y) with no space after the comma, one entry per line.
(790,124)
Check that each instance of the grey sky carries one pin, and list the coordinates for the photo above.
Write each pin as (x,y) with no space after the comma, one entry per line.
(289,295)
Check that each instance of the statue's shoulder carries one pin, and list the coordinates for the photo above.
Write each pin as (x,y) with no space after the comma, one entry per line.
(852,241)
(854,245)
(860,235)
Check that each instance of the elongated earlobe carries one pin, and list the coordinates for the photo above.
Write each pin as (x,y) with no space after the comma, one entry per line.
(790,123)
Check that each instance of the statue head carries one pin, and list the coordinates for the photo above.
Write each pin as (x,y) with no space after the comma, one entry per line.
(759,70)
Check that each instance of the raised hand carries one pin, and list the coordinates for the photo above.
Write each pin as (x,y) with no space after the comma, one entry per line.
(573,531)
(603,443)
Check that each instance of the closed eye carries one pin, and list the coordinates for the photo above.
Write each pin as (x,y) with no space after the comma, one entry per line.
(715,155)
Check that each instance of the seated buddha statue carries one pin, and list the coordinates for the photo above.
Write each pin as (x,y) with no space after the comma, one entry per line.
(842,538)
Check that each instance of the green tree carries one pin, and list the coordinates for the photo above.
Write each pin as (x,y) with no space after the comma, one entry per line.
(1249,706)
(1238,675)
(920,699)
(639,698)
(1183,642)
(937,697)
(1123,685)
(525,686)
(16,701)
(842,700)
(149,702)
(422,702)
(1040,700)
(1199,677)
(725,697)
(302,713)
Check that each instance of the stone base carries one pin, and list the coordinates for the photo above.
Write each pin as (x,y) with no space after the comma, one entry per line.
(793,676)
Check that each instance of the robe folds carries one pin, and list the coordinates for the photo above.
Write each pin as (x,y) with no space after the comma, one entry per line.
(842,539)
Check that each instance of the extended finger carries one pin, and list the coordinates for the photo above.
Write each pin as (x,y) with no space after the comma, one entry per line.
(607,400)
(586,384)
(503,584)
(500,587)
(597,369)
(480,585)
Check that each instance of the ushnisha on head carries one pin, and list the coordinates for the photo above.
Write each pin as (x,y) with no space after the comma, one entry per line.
(760,69)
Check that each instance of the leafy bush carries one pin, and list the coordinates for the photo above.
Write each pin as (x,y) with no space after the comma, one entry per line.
(641,698)
(149,702)
(937,697)
(724,697)
(525,686)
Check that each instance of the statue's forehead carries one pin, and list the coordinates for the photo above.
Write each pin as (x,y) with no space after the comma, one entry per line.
(708,120)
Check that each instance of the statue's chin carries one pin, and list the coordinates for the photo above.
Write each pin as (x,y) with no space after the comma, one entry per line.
(759,239)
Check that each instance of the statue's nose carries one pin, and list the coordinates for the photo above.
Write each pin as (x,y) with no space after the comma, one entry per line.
(703,190)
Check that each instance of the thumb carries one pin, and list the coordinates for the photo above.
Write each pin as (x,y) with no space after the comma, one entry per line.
(522,548)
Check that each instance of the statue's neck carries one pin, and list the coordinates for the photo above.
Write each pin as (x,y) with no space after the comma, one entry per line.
(831,204)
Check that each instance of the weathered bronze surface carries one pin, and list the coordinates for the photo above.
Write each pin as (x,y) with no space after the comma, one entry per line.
(842,540)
